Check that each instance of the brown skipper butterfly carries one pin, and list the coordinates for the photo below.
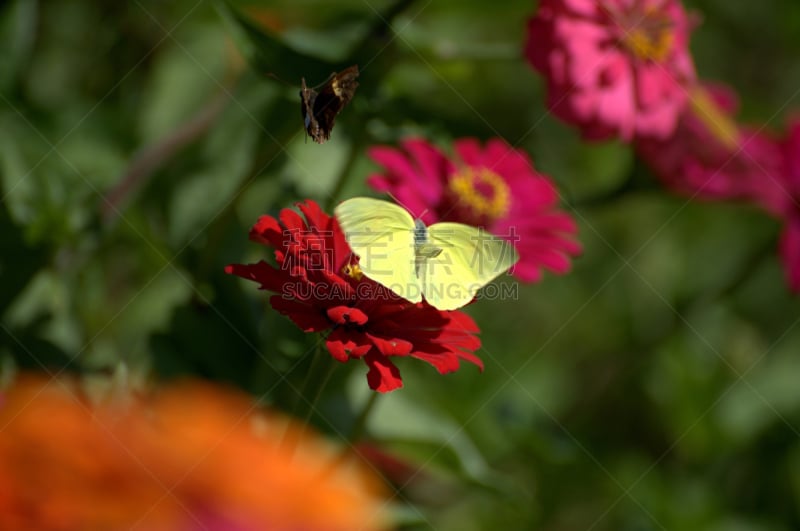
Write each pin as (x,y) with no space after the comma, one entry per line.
(320,108)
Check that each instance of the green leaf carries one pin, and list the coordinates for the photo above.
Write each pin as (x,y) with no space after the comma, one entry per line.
(17,35)
(184,78)
(228,156)
(19,261)
(439,440)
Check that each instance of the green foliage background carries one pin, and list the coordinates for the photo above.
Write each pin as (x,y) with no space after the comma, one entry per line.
(654,387)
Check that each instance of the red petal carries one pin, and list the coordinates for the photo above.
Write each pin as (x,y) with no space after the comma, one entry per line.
(314,214)
(391,347)
(267,231)
(444,362)
(292,221)
(307,317)
(383,375)
(345,315)
(270,278)
(343,344)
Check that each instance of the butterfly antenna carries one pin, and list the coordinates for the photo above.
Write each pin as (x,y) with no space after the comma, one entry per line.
(327,79)
(277,78)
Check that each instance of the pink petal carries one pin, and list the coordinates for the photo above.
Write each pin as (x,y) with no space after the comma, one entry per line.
(433,167)
(469,151)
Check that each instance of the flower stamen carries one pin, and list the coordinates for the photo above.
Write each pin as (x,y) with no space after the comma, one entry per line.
(648,36)
(352,271)
(481,191)
(648,47)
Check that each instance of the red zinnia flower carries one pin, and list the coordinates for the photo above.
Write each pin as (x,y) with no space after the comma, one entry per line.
(494,187)
(710,156)
(613,67)
(320,287)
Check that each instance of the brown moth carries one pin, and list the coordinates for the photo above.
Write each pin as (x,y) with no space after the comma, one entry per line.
(320,108)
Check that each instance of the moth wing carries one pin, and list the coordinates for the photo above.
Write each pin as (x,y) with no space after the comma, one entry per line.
(382,235)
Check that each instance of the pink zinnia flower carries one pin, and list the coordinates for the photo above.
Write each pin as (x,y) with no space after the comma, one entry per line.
(613,67)
(320,287)
(494,187)
(712,157)
(790,240)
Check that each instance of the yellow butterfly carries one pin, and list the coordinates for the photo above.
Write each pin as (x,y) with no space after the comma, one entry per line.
(447,262)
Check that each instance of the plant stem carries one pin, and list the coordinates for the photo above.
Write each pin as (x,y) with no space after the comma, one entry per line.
(317,377)
(319,374)
(360,423)
(347,169)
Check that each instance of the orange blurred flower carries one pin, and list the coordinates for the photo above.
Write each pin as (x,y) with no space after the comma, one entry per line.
(191,457)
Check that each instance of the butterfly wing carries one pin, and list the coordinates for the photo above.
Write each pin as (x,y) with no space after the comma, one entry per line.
(308,97)
(329,102)
(469,259)
(382,235)
(344,84)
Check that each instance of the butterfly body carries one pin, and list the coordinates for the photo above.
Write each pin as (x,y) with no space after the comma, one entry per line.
(446,262)
(320,108)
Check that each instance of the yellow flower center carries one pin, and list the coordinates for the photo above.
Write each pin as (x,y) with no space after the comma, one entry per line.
(352,271)
(719,124)
(648,46)
(481,191)
(648,36)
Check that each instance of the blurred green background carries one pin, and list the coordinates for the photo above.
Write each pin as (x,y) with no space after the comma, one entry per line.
(654,387)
